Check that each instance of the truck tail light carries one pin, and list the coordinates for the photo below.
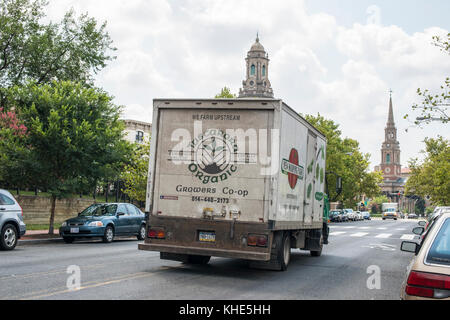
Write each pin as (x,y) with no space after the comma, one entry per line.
(425,284)
(156,233)
(257,240)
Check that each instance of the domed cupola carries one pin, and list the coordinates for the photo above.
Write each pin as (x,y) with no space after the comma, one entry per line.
(257,83)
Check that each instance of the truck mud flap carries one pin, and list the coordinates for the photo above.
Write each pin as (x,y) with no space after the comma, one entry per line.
(312,241)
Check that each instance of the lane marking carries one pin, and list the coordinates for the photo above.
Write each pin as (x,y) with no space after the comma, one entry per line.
(337,233)
(364,228)
(359,234)
(384,235)
(381,228)
(408,237)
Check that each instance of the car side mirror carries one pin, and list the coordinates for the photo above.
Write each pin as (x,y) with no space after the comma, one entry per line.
(422,223)
(418,230)
(409,246)
(120,214)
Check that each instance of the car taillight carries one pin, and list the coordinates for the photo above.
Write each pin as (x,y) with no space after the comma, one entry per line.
(156,233)
(257,240)
(425,284)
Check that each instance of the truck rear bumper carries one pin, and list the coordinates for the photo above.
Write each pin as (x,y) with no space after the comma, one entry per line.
(225,253)
(182,237)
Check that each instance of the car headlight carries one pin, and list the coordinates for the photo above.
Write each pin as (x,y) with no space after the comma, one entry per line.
(95,224)
(64,224)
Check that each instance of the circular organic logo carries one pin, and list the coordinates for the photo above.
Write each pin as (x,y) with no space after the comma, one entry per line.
(213,156)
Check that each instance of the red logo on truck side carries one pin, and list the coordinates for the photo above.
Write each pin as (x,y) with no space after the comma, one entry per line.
(292,168)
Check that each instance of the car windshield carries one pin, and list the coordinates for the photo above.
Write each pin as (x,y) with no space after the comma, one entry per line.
(390,210)
(440,250)
(98,210)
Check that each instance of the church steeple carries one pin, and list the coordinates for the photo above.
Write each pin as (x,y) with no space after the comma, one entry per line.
(390,150)
(391,112)
(257,82)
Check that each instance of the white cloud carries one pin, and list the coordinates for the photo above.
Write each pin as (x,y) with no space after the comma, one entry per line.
(193,48)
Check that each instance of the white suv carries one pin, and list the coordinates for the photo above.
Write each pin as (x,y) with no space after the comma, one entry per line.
(12,226)
(351,214)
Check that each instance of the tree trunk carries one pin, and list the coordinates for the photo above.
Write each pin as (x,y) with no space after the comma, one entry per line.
(52,215)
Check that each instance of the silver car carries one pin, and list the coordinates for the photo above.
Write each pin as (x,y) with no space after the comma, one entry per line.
(12,226)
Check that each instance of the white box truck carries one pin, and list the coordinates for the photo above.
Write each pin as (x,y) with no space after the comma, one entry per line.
(237,178)
(390,210)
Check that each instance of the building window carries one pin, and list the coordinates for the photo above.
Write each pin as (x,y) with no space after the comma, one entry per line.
(388,158)
(264,71)
(252,70)
(139,137)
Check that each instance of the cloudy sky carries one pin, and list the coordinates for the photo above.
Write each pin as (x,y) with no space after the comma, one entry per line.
(338,58)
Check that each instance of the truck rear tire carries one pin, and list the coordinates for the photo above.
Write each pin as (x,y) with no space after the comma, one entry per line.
(318,253)
(281,253)
(198,259)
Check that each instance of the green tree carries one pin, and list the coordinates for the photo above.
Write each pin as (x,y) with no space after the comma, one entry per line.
(346,160)
(376,202)
(12,136)
(434,105)
(73,49)
(74,136)
(432,176)
(225,94)
(136,172)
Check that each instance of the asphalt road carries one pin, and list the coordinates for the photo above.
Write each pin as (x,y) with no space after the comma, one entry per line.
(120,271)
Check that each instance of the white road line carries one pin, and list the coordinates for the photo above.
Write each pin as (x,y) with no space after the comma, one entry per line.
(337,233)
(408,237)
(384,235)
(364,228)
(359,234)
(349,227)
(400,229)
(381,228)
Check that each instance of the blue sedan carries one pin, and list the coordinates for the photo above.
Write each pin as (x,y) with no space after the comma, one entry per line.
(105,220)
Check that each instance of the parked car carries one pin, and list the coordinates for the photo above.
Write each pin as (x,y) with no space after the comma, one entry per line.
(366,215)
(344,216)
(359,216)
(12,226)
(350,213)
(105,220)
(335,216)
(428,275)
(412,216)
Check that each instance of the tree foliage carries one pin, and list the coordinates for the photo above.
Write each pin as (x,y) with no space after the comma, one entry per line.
(72,49)
(434,106)
(432,176)
(75,137)
(136,172)
(12,135)
(346,160)
(225,93)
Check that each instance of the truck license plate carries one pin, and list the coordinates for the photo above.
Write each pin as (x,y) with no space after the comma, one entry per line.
(74,230)
(207,236)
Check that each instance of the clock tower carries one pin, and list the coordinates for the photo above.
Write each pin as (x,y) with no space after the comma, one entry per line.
(390,149)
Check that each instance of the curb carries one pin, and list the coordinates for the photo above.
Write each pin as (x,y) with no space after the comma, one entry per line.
(38,241)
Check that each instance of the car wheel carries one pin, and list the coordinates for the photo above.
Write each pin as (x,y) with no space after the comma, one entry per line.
(68,240)
(109,235)
(142,233)
(8,236)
